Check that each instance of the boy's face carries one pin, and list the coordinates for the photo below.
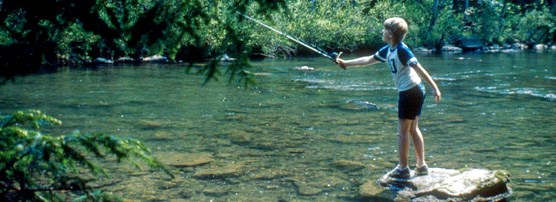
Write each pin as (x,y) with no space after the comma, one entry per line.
(386,35)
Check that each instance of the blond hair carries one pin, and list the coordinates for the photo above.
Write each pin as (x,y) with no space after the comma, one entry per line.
(398,27)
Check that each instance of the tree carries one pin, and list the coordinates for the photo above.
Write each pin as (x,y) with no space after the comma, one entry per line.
(35,36)
(36,166)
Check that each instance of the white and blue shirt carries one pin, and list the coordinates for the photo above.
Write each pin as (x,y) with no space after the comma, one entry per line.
(399,60)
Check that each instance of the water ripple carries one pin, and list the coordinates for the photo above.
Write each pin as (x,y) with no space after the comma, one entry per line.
(518,91)
(342,86)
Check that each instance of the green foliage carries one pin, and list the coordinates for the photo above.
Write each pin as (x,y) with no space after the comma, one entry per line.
(411,12)
(38,166)
(504,22)
(482,20)
(75,32)
(338,25)
(531,26)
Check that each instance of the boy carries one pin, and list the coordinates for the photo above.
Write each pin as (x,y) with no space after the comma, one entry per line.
(407,73)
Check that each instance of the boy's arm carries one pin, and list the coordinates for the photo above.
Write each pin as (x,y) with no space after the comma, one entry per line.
(362,61)
(425,75)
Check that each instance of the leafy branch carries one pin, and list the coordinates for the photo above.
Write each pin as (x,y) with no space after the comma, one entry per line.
(34,165)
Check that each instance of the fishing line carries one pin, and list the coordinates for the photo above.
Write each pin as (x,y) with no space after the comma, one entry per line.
(330,55)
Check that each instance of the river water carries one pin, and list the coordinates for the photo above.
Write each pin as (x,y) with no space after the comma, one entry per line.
(307,135)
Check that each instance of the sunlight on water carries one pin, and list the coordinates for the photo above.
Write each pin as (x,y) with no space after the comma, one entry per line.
(307,135)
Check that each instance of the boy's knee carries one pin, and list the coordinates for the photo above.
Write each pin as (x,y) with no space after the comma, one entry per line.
(402,134)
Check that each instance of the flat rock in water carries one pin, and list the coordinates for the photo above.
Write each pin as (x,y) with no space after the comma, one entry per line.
(179,159)
(347,165)
(450,185)
(220,172)
(304,68)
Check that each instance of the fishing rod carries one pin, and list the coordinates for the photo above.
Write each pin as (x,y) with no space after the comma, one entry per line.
(330,55)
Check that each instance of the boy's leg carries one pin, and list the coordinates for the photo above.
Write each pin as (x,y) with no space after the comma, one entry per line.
(404,126)
(418,142)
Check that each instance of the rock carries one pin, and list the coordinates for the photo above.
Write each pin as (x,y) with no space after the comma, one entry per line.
(450,185)
(101,60)
(347,165)
(149,124)
(541,47)
(470,44)
(156,58)
(305,189)
(220,172)
(331,182)
(217,190)
(492,49)
(240,137)
(184,159)
(370,190)
(163,135)
(226,58)
(125,60)
(423,50)
(521,46)
(509,50)
(308,190)
(304,68)
(451,49)
(360,105)
(269,174)
(262,74)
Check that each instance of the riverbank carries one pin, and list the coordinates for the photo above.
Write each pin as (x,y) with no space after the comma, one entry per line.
(447,49)
(504,48)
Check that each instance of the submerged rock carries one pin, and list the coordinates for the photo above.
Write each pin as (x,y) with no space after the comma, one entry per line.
(450,185)
(156,58)
(348,165)
(150,124)
(370,190)
(304,68)
(101,60)
(178,159)
(308,191)
(359,105)
(220,172)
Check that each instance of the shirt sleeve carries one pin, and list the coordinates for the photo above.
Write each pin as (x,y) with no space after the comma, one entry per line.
(406,56)
(381,54)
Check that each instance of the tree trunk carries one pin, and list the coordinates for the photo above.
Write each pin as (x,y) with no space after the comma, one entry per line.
(434,15)
(552,5)
(465,7)
(501,19)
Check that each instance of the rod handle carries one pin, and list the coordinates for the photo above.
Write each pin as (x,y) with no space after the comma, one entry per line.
(334,56)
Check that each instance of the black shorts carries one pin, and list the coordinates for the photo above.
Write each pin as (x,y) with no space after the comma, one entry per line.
(410,102)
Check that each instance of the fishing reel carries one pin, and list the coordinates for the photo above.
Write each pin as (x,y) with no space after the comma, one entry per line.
(334,55)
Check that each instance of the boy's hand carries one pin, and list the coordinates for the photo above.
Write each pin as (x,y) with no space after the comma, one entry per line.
(437,96)
(340,61)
